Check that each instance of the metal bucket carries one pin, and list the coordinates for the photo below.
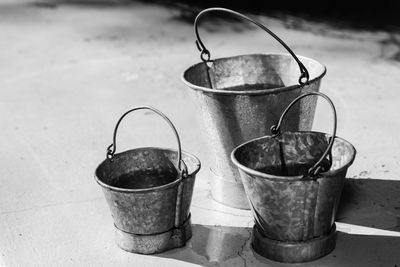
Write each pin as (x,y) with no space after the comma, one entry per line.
(149,191)
(241,97)
(294,181)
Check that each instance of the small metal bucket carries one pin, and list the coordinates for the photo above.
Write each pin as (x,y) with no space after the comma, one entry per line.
(241,97)
(149,191)
(293,182)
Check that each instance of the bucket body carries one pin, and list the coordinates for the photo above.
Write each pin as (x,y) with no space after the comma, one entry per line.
(147,197)
(293,210)
(240,98)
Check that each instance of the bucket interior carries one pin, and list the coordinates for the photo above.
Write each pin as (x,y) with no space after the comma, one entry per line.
(293,153)
(255,72)
(143,168)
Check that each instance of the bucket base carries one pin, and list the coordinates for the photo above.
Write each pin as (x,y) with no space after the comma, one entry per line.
(150,244)
(228,193)
(293,252)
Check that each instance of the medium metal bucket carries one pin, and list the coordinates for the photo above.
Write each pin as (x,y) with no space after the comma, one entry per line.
(294,181)
(241,97)
(149,191)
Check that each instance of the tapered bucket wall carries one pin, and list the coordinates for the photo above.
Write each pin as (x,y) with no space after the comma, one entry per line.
(240,98)
(149,192)
(294,216)
(148,199)
(293,181)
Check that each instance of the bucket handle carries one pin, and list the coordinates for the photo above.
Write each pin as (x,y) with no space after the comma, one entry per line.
(111,148)
(205,53)
(275,129)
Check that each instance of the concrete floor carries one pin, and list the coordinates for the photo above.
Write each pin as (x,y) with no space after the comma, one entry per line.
(70,70)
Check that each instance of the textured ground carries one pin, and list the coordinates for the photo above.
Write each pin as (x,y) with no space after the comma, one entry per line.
(69,70)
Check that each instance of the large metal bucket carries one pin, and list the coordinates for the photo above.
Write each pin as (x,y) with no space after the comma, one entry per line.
(241,97)
(294,181)
(149,191)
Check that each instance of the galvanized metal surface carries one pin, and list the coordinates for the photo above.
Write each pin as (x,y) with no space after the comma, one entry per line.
(292,208)
(247,96)
(146,204)
(148,194)
(318,167)
(289,200)
(154,243)
(228,192)
(289,154)
(293,252)
(240,98)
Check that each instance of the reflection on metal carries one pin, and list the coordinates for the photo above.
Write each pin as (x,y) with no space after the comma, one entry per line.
(149,192)
(241,97)
(294,181)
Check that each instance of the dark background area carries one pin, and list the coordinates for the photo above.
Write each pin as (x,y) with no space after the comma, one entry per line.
(370,15)
(366,15)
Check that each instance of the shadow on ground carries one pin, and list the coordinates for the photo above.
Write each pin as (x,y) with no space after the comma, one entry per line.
(371,202)
(231,246)
(211,245)
(364,202)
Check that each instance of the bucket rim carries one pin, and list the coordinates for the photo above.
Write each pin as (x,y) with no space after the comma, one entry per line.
(253,92)
(150,189)
(294,177)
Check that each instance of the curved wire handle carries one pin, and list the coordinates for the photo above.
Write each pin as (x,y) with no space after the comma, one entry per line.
(205,53)
(111,148)
(275,129)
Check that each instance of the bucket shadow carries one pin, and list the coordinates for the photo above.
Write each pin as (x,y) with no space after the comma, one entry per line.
(370,202)
(365,202)
(231,246)
(213,245)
